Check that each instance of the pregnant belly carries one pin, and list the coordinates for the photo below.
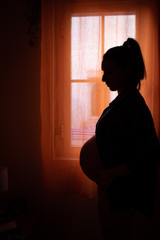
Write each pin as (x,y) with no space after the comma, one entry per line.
(89,158)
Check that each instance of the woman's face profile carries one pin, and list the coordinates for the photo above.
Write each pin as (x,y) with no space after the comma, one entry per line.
(114,76)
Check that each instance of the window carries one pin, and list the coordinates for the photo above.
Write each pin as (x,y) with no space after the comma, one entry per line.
(82,94)
(91,36)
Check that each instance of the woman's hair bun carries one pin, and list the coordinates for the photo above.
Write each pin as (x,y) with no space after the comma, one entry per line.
(136,59)
(131,44)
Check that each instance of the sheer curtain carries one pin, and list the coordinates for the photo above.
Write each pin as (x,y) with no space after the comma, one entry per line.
(75,35)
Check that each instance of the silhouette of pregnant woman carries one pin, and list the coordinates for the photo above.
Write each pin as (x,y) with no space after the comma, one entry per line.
(123,155)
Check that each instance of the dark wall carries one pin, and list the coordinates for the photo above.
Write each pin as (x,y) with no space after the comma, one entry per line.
(19,102)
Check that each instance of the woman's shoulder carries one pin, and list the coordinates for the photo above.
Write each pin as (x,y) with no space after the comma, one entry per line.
(135,105)
(129,107)
(141,121)
(141,109)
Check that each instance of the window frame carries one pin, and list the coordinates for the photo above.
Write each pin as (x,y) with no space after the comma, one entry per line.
(62,133)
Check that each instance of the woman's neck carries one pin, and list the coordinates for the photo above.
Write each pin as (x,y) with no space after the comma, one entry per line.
(126,90)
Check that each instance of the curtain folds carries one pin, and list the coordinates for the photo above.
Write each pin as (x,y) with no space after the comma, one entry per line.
(75,35)
(47,89)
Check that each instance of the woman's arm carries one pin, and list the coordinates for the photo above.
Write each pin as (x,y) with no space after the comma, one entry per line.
(105,177)
(91,165)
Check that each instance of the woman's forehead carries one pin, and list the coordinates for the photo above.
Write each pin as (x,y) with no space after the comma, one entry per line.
(107,64)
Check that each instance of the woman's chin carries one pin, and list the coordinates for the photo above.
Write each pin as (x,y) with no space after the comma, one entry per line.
(112,88)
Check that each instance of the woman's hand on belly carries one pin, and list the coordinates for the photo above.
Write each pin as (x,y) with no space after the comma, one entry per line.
(105,177)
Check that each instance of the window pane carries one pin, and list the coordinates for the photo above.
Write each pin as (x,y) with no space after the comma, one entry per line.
(84,112)
(85,47)
(118,29)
